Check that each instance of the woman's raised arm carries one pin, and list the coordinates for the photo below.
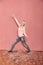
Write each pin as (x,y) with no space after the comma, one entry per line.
(15,19)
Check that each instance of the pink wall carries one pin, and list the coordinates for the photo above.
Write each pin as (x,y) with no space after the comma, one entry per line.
(31,11)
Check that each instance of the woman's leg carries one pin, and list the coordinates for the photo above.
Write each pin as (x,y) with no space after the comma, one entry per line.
(16,41)
(25,44)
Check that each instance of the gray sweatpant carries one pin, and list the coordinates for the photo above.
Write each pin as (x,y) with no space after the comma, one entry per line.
(22,39)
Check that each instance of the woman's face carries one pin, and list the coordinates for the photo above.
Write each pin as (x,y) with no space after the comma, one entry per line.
(23,24)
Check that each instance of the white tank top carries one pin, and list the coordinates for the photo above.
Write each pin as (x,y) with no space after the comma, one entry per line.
(21,31)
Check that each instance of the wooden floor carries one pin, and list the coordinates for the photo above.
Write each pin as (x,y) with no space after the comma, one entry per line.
(21,58)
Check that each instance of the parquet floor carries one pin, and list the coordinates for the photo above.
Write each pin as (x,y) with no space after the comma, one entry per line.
(21,58)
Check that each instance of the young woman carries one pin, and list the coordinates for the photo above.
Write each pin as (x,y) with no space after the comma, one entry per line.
(21,34)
